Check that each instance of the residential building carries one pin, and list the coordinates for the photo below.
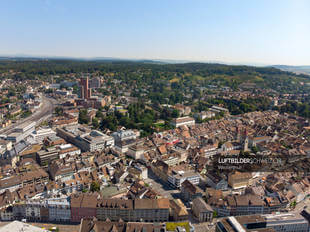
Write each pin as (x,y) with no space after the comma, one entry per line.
(148,210)
(178,210)
(59,209)
(94,83)
(201,210)
(136,151)
(93,225)
(216,181)
(239,180)
(83,206)
(190,191)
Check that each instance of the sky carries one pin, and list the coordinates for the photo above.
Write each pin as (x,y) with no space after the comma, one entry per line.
(259,32)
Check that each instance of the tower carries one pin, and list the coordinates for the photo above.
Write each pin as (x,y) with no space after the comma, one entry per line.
(237,137)
(85,90)
(246,144)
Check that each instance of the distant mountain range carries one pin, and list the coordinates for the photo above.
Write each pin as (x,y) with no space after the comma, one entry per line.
(294,69)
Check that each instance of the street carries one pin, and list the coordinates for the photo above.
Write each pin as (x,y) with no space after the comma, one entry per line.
(162,187)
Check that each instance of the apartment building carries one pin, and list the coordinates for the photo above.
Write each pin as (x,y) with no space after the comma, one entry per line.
(190,191)
(59,209)
(201,210)
(83,206)
(239,180)
(148,210)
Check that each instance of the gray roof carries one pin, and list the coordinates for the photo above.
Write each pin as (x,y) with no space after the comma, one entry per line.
(201,205)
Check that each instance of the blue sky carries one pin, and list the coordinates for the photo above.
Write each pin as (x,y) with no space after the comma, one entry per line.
(234,31)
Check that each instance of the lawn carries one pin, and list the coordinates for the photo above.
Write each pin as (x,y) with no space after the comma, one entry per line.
(171,226)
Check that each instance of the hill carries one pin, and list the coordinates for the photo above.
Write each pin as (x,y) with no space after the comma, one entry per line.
(294,69)
(147,72)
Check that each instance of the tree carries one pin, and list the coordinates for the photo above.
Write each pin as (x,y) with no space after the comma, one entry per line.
(83,118)
(94,186)
(95,123)
(254,149)
(175,113)
(59,111)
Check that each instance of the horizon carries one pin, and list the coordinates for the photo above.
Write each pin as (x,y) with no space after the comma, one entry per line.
(259,33)
(165,61)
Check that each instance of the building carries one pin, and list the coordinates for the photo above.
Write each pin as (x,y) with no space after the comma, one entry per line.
(44,157)
(93,225)
(253,141)
(31,211)
(83,206)
(124,135)
(176,178)
(201,210)
(17,226)
(68,149)
(85,138)
(124,139)
(270,222)
(183,121)
(218,109)
(147,210)
(286,222)
(15,137)
(5,146)
(216,181)
(239,180)
(136,151)
(53,140)
(21,132)
(59,209)
(85,91)
(42,133)
(60,171)
(94,83)
(243,224)
(204,115)
(190,191)
(178,210)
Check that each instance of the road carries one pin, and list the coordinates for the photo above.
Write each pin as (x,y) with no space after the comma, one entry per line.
(45,111)
(162,187)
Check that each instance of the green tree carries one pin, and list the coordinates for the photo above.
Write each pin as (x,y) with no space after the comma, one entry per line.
(59,111)
(94,186)
(83,118)
(95,123)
